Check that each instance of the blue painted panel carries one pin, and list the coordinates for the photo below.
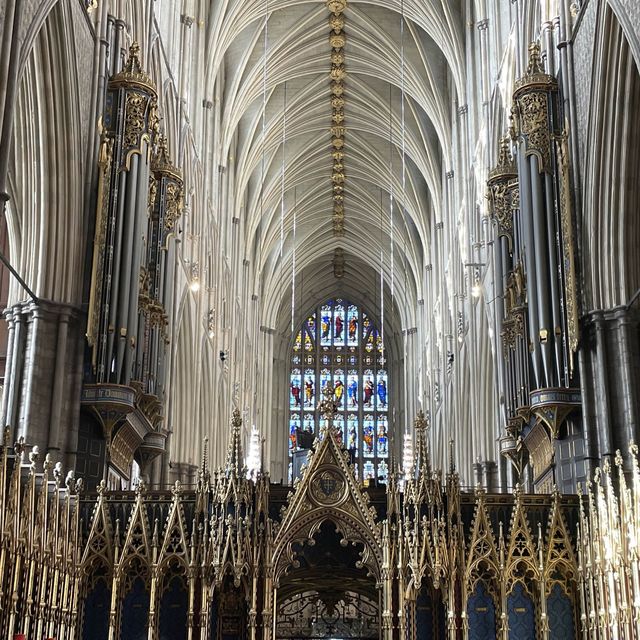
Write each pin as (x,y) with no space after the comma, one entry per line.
(96,612)
(213,616)
(424,616)
(522,622)
(560,614)
(135,613)
(173,611)
(481,614)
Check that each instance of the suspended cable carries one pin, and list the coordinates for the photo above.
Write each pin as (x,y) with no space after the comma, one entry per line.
(293,260)
(284,144)
(381,275)
(404,198)
(391,188)
(263,145)
(264,102)
(402,116)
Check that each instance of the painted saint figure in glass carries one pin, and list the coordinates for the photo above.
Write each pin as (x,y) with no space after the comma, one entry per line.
(367,390)
(309,385)
(382,391)
(352,389)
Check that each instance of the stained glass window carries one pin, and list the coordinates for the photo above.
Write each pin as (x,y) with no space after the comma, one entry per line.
(340,345)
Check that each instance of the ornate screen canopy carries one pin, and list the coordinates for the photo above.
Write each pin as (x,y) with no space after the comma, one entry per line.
(340,344)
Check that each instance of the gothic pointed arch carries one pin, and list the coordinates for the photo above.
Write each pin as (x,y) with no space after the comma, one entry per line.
(330,492)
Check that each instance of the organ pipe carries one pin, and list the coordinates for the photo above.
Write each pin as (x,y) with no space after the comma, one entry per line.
(529,201)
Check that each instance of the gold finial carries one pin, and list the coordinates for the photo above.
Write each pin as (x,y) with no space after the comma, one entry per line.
(504,156)
(517,492)
(235,458)
(205,456)
(132,64)
(328,407)
(535,65)
(132,73)
(140,487)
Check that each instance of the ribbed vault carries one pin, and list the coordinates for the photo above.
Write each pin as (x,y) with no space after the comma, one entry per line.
(295,135)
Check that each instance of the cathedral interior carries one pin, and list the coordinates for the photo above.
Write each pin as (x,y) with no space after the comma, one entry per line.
(320,319)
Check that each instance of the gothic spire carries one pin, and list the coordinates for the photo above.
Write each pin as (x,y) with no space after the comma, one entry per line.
(235,460)
(422,463)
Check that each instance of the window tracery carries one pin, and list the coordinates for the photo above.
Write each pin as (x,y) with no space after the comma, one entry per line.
(339,344)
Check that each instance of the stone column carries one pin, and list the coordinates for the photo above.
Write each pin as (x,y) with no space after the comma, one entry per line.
(42,394)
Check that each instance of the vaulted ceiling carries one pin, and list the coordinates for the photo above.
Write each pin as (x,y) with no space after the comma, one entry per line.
(283,166)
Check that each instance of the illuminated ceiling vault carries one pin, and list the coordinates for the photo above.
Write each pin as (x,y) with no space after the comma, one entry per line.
(332,90)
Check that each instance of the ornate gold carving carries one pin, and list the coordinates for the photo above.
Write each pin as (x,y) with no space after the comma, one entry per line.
(338,74)
(568,248)
(522,562)
(336,6)
(512,329)
(132,74)
(327,487)
(540,447)
(105,160)
(223,537)
(532,109)
(504,191)
(336,22)
(162,164)
(140,106)
(328,491)
(174,205)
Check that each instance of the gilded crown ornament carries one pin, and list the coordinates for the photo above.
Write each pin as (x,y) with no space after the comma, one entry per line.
(132,74)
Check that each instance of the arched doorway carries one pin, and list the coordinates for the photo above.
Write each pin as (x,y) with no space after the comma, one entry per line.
(327,594)
(327,555)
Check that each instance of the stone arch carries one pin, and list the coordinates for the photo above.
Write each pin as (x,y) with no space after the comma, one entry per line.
(306,526)
(611,172)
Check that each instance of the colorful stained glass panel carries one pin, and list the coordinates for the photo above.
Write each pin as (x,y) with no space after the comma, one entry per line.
(383,472)
(382,437)
(295,392)
(352,432)
(311,326)
(352,390)
(368,390)
(338,386)
(338,423)
(294,423)
(309,422)
(325,379)
(347,346)
(309,389)
(325,326)
(368,470)
(368,437)
(381,391)
(352,326)
(338,326)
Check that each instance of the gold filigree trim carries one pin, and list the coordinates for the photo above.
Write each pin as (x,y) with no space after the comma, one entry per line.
(532,110)
(338,74)
(568,254)
(132,74)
